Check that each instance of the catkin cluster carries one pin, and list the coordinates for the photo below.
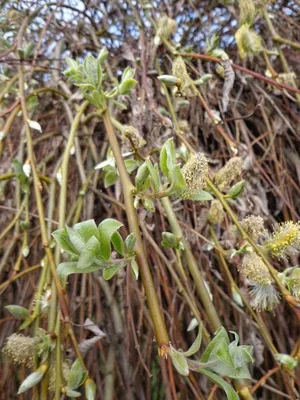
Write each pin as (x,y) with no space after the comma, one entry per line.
(231,170)
(195,172)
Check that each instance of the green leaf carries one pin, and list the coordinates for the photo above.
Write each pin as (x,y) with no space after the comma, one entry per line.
(110,178)
(90,389)
(131,165)
(202,195)
(180,363)
(128,73)
(169,80)
(62,238)
(236,190)
(169,240)
(118,243)
(167,159)
(230,392)
(134,268)
(68,268)
(154,174)
(87,229)
(92,69)
(89,252)
(76,375)
(178,181)
(32,380)
(130,243)
(18,311)
(126,86)
(103,54)
(141,178)
(110,272)
(211,349)
(75,239)
(195,346)
(106,229)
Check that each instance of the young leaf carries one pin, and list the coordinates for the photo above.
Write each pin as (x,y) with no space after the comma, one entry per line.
(126,86)
(167,159)
(230,392)
(134,268)
(75,239)
(236,190)
(211,349)
(141,178)
(131,165)
(92,69)
(90,389)
(118,243)
(130,243)
(87,229)
(202,195)
(106,229)
(110,178)
(103,54)
(180,363)
(33,379)
(76,375)
(89,252)
(68,268)
(62,238)
(18,311)
(110,272)
(178,182)
(195,346)
(154,174)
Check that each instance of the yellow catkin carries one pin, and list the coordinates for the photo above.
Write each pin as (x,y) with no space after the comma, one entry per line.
(255,269)
(231,170)
(254,226)
(179,70)
(248,41)
(285,240)
(247,12)
(216,213)
(166,27)
(294,284)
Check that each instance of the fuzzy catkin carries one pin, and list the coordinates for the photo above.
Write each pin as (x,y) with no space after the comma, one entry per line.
(231,170)
(285,240)
(255,269)
(253,225)
(195,171)
(216,213)
(179,70)
(21,349)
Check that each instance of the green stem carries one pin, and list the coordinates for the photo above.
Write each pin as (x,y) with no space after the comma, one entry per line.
(128,188)
(212,314)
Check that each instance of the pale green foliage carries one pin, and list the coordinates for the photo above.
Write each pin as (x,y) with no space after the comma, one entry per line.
(89,246)
(220,359)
